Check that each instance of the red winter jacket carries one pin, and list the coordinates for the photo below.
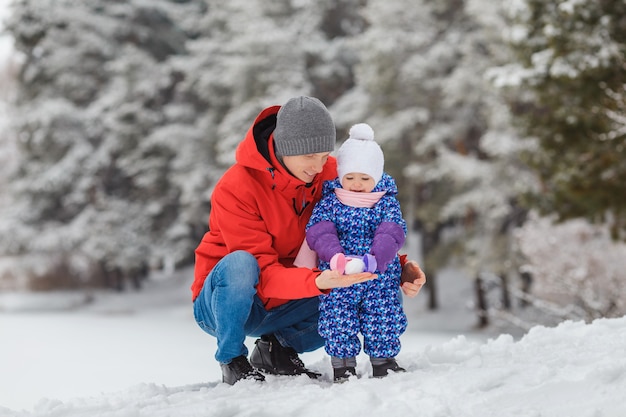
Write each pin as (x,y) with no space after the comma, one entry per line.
(257,206)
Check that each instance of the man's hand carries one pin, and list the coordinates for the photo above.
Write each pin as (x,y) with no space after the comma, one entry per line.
(413,279)
(411,289)
(330,279)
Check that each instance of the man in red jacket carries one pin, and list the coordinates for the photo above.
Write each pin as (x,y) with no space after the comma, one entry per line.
(245,282)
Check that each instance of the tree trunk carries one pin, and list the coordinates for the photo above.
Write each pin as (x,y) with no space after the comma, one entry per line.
(431,286)
(506,295)
(481,303)
(526,281)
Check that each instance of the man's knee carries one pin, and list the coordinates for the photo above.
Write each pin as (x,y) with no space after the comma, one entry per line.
(238,270)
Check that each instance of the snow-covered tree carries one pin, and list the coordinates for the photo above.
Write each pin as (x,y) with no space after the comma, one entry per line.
(567,89)
(107,184)
(9,67)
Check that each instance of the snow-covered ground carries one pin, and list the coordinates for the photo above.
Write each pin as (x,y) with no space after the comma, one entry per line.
(141,354)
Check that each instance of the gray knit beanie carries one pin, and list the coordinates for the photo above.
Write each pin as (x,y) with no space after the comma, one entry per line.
(304,126)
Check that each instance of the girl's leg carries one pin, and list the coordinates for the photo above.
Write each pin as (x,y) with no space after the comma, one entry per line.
(382,322)
(339,322)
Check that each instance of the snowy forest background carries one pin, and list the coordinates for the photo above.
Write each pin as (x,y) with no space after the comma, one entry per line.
(503,123)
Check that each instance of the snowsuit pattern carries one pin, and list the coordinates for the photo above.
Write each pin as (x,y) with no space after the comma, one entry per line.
(374,307)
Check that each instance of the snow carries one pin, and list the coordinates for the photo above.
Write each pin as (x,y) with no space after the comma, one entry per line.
(141,354)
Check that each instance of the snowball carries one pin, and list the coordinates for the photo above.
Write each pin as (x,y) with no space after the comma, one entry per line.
(354,266)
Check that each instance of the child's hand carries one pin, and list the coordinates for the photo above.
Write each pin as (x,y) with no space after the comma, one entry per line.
(330,279)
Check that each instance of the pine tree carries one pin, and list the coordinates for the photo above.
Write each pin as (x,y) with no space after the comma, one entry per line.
(568,90)
(108,142)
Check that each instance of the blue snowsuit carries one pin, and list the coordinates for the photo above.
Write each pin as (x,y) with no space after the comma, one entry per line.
(374,307)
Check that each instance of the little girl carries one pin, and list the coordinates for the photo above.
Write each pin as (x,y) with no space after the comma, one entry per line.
(359,217)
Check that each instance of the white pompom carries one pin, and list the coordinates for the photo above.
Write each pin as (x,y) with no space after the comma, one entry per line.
(354,266)
(362,131)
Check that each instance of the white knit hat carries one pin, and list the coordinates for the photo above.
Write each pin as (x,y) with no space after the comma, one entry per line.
(360,153)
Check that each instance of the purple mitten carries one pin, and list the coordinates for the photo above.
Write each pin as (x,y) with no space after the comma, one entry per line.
(388,239)
(322,238)
(370,262)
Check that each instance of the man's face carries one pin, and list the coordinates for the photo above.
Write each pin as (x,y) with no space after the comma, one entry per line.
(306,167)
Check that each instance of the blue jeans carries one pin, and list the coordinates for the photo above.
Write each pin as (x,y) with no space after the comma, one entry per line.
(229,309)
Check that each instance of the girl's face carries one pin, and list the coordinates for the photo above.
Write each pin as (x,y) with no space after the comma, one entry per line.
(358,182)
(306,167)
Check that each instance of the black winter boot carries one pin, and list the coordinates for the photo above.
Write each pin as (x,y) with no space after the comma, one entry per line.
(271,357)
(343,368)
(343,374)
(238,369)
(381,366)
